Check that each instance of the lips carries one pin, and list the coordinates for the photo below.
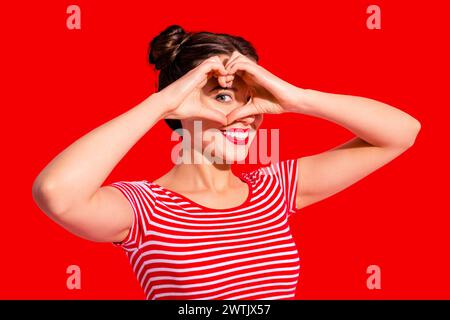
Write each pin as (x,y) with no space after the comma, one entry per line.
(237,135)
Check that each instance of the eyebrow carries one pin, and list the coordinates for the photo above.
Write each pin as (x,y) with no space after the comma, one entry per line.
(220,87)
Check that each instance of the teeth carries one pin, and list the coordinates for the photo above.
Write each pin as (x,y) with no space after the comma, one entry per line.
(237,135)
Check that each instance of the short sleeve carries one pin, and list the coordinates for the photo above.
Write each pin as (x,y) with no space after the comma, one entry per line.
(286,172)
(135,192)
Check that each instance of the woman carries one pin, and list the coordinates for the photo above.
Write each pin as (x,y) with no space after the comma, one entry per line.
(199,231)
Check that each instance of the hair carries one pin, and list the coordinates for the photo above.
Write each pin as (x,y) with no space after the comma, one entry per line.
(174,52)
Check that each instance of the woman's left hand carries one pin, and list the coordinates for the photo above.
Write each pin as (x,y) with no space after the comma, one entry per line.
(270,94)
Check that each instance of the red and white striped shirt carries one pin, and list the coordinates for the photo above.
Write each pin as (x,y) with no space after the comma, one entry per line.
(180,249)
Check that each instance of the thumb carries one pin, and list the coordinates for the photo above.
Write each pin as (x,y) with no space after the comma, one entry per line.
(242,112)
(212,114)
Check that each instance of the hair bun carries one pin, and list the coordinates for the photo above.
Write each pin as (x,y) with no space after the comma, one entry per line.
(165,46)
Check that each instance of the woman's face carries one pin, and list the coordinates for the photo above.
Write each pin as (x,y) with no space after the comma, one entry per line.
(220,143)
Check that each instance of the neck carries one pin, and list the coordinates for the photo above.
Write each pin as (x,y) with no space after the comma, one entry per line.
(204,175)
(216,177)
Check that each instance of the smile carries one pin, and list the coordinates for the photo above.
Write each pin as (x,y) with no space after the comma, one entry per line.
(237,135)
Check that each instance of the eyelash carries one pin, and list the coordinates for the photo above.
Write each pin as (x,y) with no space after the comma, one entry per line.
(224,94)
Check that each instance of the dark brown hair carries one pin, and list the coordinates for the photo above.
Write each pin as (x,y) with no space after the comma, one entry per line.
(174,52)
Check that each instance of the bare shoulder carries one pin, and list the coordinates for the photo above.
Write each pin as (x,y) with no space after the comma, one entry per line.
(105,217)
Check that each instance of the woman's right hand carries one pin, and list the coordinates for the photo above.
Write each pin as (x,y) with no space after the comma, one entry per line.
(182,97)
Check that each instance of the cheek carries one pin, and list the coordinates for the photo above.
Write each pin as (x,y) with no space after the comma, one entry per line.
(212,137)
(258,120)
(211,101)
(251,137)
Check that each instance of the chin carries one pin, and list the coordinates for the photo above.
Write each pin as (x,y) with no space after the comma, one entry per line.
(228,152)
(225,156)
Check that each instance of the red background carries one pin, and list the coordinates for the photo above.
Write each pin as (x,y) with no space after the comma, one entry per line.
(58,84)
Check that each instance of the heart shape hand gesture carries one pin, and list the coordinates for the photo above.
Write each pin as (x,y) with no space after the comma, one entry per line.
(270,94)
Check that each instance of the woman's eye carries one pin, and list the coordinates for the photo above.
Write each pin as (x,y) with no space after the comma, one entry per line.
(223,95)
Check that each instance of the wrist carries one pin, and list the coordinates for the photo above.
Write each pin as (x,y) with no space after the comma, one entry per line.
(157,105)
(299,103)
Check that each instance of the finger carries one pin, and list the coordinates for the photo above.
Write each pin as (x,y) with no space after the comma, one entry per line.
(198,77)
(238,58)
(217,68)
(257,76)
(215,58)
(220,72)
(241,112)
(235,55)
(209,69)
(222,81)
(220,77)
(229,81)
(212,114)
(239,66)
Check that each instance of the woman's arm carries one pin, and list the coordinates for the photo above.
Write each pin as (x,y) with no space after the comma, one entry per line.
(382,134)
(69,189)
(382,131)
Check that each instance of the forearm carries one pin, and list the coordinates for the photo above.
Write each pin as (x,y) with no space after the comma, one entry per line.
(78,171)
(375,122)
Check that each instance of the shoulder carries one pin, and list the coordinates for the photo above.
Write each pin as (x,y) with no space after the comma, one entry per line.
(280,168)
(128,184)
(134,189)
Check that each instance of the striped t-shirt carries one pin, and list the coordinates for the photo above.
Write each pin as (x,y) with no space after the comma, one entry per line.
(180,249)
